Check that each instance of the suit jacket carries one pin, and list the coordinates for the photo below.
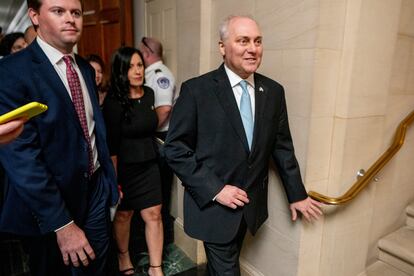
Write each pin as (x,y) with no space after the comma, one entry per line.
(47,166)
(207,148)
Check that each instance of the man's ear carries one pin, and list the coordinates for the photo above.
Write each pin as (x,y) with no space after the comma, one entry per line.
(33,16)
(221,48)
(144,52)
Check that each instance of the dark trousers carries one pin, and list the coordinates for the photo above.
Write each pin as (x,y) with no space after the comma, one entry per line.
(45,258)
(223,259)
(166,182)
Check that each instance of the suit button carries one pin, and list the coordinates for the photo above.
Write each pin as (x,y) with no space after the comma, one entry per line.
(249,167)
(85,174)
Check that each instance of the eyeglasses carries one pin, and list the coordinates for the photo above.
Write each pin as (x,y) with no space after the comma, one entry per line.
(145,44)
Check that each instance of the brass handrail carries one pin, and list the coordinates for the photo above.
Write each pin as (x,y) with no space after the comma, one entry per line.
(362,182)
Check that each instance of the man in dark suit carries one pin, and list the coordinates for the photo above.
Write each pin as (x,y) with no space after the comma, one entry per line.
(61,181)
(225,127)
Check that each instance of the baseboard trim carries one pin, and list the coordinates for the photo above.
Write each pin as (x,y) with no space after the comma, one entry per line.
(247,269)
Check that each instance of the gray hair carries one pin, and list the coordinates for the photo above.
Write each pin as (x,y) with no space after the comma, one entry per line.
(224,25)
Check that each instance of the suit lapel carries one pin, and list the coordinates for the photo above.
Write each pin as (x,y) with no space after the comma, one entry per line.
(90,85)
(260,95)
(50,77)
(226,98)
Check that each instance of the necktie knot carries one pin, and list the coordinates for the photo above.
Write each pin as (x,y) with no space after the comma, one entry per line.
(67,60)
(243,85)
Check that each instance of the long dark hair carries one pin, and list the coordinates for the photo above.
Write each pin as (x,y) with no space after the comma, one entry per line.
(119,85)
(7,42)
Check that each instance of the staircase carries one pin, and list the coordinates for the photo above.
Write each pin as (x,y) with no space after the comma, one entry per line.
(396,251)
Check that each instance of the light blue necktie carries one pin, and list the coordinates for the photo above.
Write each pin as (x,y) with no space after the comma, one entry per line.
(246,113)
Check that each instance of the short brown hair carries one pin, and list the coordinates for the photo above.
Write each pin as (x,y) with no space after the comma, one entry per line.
(35,4)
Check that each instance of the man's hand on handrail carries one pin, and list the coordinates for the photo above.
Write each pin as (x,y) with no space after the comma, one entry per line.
(310,209)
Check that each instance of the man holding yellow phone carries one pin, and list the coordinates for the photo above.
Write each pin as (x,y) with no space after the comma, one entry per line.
(11,130)
(60,175)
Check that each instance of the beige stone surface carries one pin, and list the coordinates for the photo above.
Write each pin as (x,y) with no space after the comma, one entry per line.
(299,128)
(403,60)
(397,249)
(331,24)
(271,253)
(288,24)
(345,239)
(310,248)
(325,82)
(370,50)
(382,269)
(320,149)
(188,40)
(272,64)
(406,26)
(297,75)
(279,214)
(355,146)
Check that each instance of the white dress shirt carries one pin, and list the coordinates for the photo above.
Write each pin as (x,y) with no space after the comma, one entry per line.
(237,90)
(55,57)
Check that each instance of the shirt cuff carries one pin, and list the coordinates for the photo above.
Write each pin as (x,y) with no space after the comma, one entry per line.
(60,228)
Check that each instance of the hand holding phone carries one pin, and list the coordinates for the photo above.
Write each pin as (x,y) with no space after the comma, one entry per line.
(26,111)
(11,130)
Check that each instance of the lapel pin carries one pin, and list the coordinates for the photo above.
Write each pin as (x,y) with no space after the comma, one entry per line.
(261,89)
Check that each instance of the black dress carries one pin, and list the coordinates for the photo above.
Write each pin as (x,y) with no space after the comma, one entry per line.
(132,141)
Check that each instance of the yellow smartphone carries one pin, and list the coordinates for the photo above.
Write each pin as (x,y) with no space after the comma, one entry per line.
(28,111)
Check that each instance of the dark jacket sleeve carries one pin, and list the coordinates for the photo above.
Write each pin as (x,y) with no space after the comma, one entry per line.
(180,151)
(284,157)
(24,163)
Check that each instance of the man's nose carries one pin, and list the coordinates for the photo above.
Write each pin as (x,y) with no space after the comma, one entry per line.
(252,48)
(69,17)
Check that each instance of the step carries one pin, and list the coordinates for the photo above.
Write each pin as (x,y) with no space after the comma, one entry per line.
(382,269)
(397,249)
(410,214)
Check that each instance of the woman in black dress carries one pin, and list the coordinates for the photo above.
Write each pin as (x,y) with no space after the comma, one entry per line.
(131,123)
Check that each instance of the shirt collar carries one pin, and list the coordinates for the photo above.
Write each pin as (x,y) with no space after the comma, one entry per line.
(53,54)
(235,79)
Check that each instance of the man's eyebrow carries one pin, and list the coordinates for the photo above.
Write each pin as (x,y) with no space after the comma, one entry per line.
(246,36)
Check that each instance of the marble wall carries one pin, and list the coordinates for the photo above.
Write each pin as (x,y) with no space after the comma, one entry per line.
(348,70)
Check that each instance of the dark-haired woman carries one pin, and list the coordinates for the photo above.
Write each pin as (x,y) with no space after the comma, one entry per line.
(131,124)
(12,43)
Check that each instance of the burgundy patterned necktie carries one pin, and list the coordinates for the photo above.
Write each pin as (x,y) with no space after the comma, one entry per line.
(77,99)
